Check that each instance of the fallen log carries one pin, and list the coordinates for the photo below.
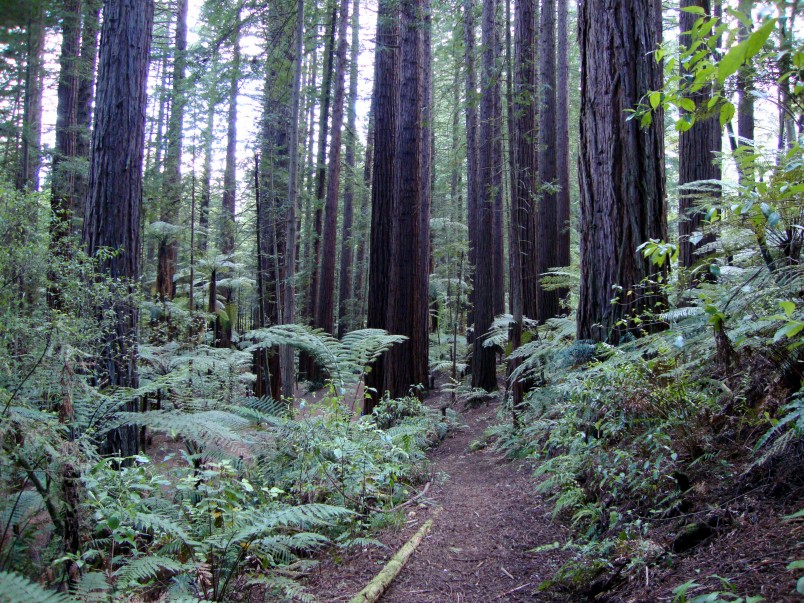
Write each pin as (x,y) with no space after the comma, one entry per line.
(380,583)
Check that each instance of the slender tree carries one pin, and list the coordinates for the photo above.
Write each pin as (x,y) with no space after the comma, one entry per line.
(88,65)
(483,357)
(523,168)
(289,302)
(115,188)
(472,195)
(326,288)
(621,166)
(63,195)
(230,168)
(30,152)
(697,152)
(548,227)
(345,288)
(171,177)
(563,140)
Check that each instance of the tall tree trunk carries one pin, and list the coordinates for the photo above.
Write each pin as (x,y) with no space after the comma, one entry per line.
(427,178)
(326,288)
(115,183)
(321,165)
(361,262)
(405,292)
(289,301)
(63,195)
(697,152)
(383,195)
(307,365)
(30,153)
(497,185)
(562,257)
(483,358)
(171,177)
(745,87)
(523,167)
(472,192)
(86,94)
(206,178)
(272,245)
(345,290)
(621,167)
(547,234)
(230,169)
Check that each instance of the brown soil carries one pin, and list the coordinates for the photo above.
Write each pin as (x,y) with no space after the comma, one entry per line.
(479,547)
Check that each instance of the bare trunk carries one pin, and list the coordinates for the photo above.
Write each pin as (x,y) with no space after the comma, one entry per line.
(383,195)
(621,168)
(483,358)
(345,289)
(171,177)
(326,288)
(115,177)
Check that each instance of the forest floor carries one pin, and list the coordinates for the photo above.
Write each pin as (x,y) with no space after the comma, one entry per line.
(479,548)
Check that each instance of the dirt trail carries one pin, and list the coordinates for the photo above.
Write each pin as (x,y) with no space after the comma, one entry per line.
(478,549)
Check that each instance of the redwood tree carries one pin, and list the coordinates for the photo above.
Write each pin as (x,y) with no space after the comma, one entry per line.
(406,292)
(386,81)
(326,287)
(483,358)
(697,149)
(548,227)
(115,188)
(621,165)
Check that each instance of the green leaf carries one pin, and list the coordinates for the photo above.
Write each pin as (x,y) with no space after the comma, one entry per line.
(647,119)
(655,98)
(788,307)
(797,564)
(757,40)
(773,219)
(695,10)
(686,103)
(790,330)
(800,586)
(731,62)
(726,113)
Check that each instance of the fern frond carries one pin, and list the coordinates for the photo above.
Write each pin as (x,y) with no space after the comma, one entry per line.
(15,588)
(146,568)
(92,588)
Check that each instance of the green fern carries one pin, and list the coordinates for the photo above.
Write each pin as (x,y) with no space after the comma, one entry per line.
(146,568)
(15,588)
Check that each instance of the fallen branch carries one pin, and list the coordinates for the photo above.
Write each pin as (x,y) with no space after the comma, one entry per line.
(380,583)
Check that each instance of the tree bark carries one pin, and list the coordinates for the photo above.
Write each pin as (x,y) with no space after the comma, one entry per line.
(621,168)
(383,195)
(471,137)
(483,358)
(115,177)
(30,152)
(86,94)
(171,176)
(405,292)
(230,169)
(563,141)
(326,288)
(697,149)
(548,227)
(345,288)
(289,301)
(63,200)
